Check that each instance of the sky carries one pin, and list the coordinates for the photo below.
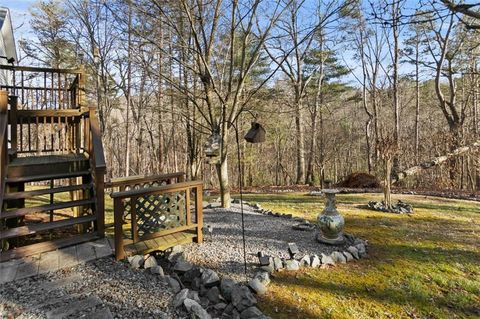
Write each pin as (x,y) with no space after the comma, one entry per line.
(20,15)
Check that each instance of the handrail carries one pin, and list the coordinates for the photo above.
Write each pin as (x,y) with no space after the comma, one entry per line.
(3,142)
(131,180)
(40,69)
(156,189)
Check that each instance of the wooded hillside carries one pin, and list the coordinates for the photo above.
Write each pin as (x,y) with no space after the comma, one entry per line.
(329,80)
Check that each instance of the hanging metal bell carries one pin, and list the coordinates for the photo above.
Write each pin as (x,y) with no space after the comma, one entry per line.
(256,134)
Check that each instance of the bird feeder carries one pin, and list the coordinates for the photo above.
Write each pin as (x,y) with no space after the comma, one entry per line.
(256,134)
(212,148)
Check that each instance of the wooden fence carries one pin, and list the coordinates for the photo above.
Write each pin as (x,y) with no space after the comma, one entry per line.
(149,212)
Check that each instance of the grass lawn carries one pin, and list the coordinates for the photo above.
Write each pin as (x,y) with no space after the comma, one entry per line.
(426,265)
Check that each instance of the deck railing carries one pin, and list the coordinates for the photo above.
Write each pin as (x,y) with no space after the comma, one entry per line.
(3,142)
(156,211)
(46,88)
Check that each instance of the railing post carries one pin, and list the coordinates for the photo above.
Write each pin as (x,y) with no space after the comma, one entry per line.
(13,124)
(199,213)
(100,207)
(3,101)
(118,226)
(3,143)
(81,87)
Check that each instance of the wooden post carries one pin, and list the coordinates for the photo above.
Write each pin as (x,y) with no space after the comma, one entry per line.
(81,87)
(118,222)
(13,124)
(133,215)
(187,206)
(199,212)
(3,101)
(100,207)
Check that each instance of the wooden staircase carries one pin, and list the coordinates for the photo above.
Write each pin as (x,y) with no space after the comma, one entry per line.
(52,163)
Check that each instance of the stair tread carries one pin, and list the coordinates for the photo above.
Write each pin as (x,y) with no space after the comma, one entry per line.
(46,159)
(33,178)
(46,191)
(42,208)
(32,229)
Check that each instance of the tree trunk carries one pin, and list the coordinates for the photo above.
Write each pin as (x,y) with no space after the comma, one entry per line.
(222,172)
(299,139)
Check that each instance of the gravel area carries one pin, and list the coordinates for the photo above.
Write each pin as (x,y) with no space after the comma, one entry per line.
(223,249)
(127,293)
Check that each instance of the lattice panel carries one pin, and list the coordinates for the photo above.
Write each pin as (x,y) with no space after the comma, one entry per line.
(160,212)
(126,202)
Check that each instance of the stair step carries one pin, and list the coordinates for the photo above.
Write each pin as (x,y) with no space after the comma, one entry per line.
(33,178)
(46,191)
(33,229)
(44,208)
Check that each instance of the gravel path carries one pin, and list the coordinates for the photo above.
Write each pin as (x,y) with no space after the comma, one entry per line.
(112,286)
(223,250)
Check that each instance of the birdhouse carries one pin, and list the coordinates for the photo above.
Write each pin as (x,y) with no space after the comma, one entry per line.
(212,145)
(256,134)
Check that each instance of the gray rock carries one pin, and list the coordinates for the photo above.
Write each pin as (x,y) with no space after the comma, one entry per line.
(348,256)
(226,287)
(362,251)
(210,278)
(177,252)
(136,261)
(180,298)
(305,261)
(327,260)
(158,270)
(251,313)
(315,262)
(242,298)
(268,269)
(182,266)
(293,249)
(263,277)
(257,206)
(150,262)
(192,294)
(191,274)
(264,260)
(257,286)
(194,308)
(338,257)
(354,251)
(292,264)
(220,306)
(213,294)
(173,283)
(277,262)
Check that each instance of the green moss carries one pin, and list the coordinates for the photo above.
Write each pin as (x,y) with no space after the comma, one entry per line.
(421,266)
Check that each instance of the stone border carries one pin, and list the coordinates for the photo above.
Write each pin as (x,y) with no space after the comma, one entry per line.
(200,291)
(203,294)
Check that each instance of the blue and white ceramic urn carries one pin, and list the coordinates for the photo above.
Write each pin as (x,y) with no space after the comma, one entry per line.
(330,221)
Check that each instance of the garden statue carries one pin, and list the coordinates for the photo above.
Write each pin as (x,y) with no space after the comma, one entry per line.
(330,221)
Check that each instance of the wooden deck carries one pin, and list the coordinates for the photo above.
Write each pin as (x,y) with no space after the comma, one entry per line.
(159,243)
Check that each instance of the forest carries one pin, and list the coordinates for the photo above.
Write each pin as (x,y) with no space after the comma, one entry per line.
(340,86)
